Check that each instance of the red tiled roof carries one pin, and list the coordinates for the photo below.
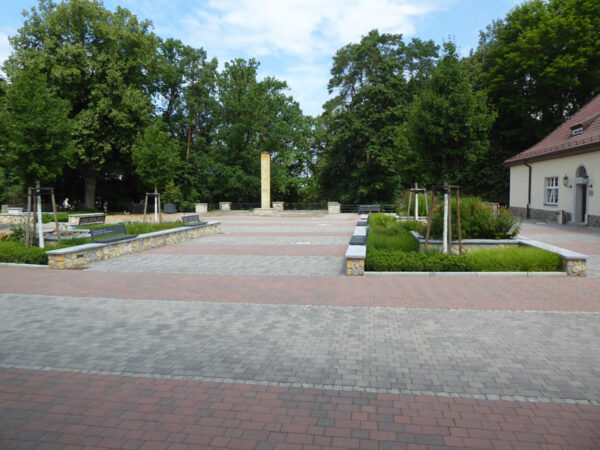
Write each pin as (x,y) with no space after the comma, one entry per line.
(560,140)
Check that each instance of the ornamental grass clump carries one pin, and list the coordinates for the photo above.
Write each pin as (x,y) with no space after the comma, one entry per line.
(478,221)
(516,259)
(386,233)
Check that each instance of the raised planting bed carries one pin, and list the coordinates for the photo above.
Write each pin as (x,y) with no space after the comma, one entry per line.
(81,255)
(394,247)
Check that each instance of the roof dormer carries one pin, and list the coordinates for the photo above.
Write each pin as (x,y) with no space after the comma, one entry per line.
(576,130)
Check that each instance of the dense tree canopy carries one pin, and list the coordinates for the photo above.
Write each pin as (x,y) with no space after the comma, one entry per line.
(448,124)
(98,61)
(374,82)
(538,65)
(36,129)
(97,102)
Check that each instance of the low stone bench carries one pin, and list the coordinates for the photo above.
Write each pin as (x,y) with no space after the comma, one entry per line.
(77,220)
(192,221)
(359,237)
(355,260)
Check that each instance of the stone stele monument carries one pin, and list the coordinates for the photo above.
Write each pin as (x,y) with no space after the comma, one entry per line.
(265,180)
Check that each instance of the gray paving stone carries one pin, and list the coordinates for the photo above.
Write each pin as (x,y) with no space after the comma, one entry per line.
(225,264)
(517,354)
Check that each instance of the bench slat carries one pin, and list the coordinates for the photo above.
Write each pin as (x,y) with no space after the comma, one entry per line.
(192,220)
(358,240)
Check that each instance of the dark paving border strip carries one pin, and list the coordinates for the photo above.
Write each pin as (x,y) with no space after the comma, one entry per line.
(79,410)
(326,387)
(503,293)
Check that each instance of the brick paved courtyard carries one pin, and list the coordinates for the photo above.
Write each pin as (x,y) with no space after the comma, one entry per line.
(255,339)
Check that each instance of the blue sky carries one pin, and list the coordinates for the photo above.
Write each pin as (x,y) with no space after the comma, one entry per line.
(294,40)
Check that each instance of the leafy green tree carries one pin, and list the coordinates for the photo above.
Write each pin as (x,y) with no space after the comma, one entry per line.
(100,63)
(539,65)
(253,117)
(155,156)
(374,81)
(37,131)
(448,123)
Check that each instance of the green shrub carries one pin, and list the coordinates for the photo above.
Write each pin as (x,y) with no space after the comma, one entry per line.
(402,210)
(140,227)
(413,225)
(382,260)
(18,233)
(143,228)
(49,217)
(516,259)
(478,221)
(16,252)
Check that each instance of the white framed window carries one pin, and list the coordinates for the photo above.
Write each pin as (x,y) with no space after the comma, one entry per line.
(551,197)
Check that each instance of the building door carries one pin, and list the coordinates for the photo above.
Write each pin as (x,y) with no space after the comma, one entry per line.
(581,200)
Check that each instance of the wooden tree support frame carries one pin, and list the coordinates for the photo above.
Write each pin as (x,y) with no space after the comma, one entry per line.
(152,194)
(417,190)
(38,192)
(446,189)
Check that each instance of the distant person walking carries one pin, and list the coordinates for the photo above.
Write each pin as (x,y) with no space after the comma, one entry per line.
(65,204)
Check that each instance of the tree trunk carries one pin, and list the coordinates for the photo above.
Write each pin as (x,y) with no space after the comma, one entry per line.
(89,181)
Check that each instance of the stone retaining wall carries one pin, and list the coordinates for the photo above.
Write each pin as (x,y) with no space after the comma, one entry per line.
(13,219)
(80,255)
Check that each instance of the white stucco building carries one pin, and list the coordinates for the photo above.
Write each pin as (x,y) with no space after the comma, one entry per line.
(556,178)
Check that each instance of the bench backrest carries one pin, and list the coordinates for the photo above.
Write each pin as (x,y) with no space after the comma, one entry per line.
(87,220)
(190,219)
(369,208)
(109,230)
(170,208)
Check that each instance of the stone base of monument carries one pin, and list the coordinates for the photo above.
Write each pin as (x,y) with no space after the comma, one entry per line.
(264,211)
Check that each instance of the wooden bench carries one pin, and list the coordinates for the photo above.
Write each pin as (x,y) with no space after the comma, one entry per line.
(86,219)
(192,221)
(110,233)
(369,208)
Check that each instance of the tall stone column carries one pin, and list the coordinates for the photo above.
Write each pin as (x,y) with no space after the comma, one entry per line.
(265,180)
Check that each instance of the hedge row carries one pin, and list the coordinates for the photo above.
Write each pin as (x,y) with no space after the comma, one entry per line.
(16,252)
(518,259)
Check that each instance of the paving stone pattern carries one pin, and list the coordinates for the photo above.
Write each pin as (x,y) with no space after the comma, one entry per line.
(465,352)
(226,264)
(225,343)
(70,410)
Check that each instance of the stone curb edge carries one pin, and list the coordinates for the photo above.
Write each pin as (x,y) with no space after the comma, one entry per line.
(328,387)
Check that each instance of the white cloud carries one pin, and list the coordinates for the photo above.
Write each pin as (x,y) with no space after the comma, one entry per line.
(297,38)
(308,85)
(307,29)
(5,48)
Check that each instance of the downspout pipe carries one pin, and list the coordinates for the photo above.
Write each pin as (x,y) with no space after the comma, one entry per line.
(528,191)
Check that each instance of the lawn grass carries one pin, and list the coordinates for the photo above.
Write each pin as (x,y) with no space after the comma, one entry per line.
(139,227)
